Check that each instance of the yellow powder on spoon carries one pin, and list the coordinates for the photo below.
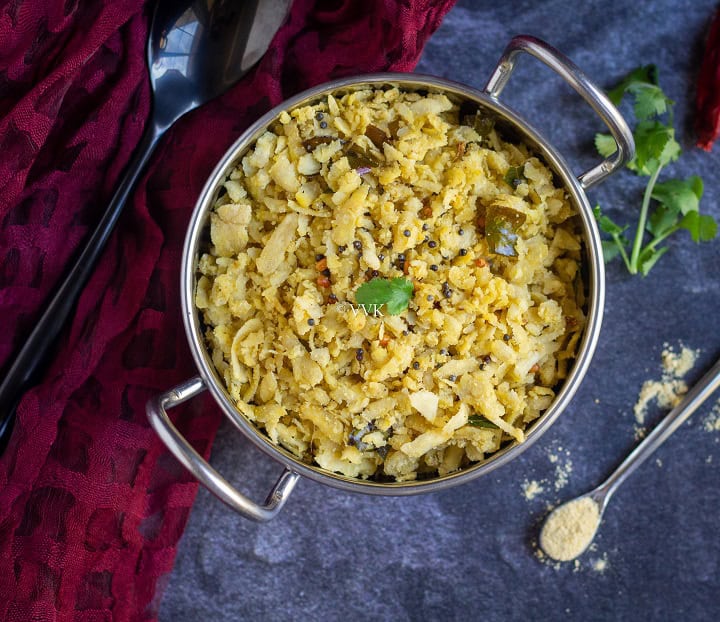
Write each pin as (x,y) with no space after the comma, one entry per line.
(569,529)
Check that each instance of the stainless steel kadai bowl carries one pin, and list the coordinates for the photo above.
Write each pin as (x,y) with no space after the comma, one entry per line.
(510,125)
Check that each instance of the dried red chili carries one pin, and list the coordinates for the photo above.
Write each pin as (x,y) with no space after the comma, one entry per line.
(708,89)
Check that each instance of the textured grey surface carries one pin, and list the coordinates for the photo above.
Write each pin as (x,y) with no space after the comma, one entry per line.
(468,553)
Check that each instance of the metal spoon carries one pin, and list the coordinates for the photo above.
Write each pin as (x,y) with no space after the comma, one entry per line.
(196,50)
(577,520)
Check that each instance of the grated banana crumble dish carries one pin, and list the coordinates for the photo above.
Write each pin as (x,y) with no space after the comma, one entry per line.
(410,194)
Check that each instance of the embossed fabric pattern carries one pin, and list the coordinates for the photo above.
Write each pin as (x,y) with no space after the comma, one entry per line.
(91,504)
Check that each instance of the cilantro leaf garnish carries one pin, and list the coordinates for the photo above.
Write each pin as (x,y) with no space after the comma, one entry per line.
(675,203)
(647,74)
(655,147)
(395,294)
(605,145)
(680,195)
(642,83)
(702,227)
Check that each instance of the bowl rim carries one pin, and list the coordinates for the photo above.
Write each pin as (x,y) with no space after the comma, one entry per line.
(595,284)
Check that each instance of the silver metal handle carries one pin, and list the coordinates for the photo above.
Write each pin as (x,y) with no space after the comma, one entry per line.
(157,409)
(599,102)
(707,385)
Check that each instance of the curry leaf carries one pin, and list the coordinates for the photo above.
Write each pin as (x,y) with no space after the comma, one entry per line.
(481,422)
(515,176)
(502,226)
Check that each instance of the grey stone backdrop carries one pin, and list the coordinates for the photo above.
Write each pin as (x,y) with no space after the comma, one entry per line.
(468,553)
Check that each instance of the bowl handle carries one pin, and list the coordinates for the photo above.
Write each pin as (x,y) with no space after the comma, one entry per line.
(157,409)
(599,102)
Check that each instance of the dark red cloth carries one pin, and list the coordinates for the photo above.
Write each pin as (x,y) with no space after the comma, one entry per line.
(91,504)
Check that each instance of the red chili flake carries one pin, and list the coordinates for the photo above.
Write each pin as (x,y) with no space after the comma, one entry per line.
(708,89)
(323,281)
(480,262)
(571,322)
(321,265)
(385,341)
(426,211)
(535,369)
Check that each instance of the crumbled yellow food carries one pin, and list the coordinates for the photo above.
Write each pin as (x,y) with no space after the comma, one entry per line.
(317,207)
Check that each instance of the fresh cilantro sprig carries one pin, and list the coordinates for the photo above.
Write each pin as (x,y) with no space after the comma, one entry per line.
(675,202)
(395,294)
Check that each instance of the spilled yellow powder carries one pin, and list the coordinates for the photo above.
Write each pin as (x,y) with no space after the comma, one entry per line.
(712,422)
(532,489)
(570,528)
(562,474)
(600,564)
(563,466)
(678,364)
(668,391)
